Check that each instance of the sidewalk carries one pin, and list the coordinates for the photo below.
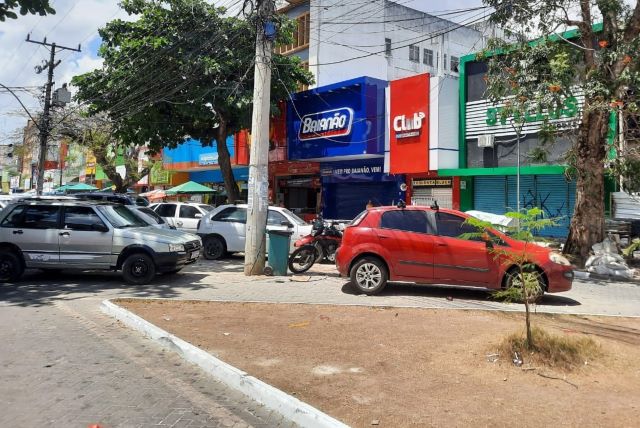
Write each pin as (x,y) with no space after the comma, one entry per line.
(224,280)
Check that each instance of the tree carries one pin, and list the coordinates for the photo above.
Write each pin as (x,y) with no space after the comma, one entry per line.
(182,69)
(41,7)
(525,282)
(97,134)
(544,78)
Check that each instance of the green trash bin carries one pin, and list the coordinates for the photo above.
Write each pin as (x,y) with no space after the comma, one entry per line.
(279,251)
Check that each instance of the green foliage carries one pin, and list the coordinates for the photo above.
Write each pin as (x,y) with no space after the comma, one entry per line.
(596,61)
(182,69)
(40,7)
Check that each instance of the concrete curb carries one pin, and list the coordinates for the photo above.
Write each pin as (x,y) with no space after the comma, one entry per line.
(290,407)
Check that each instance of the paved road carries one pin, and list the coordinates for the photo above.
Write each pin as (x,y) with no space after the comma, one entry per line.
(65,364)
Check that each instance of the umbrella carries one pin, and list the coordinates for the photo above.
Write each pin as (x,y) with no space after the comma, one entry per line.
(75,187)
(190,187)
(154,195)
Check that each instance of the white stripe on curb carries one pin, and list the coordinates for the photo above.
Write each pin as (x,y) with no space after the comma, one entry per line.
(290,407)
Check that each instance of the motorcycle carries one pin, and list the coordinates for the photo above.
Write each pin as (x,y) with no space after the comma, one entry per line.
(320,245)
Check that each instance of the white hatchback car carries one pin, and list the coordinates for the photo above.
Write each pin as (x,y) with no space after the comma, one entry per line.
(223,230)
(183,215)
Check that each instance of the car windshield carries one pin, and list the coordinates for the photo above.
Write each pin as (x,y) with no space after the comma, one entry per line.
(120,216)
(296,219)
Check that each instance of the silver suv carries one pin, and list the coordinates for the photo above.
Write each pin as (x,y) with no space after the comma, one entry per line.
(48,234)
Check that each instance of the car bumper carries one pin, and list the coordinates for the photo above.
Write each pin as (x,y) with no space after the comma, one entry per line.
(342,262)
(167,262)
(560,278)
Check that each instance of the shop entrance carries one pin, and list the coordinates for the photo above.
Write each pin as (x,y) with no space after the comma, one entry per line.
(300,194)
(427,191)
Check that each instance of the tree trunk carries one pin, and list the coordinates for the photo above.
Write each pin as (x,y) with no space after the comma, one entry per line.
(224,160)
(587,223)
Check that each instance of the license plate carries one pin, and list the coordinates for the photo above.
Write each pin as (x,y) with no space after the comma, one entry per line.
(194,255)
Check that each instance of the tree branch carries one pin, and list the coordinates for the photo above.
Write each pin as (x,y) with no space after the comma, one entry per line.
(633,27)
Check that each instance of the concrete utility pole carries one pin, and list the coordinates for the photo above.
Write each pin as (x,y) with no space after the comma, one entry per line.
(258,204)
(44,123)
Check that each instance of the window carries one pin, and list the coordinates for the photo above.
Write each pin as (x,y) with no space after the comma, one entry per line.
(33,217)
(414,53)
(166,210)
(300,35)
(275,218)
(80,218)
(120,216)
(387,47)
(233,215)
(453,226)
(206,208)
(407,220)
(455,62)
(444,61)
(187,211)
(427,57)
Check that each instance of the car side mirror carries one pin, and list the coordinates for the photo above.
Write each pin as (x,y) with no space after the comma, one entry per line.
(286,223)
(198,215)
(99,227)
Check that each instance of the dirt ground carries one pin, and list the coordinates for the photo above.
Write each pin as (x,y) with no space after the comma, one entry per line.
(397,367)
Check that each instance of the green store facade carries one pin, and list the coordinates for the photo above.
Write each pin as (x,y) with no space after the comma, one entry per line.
(488,156)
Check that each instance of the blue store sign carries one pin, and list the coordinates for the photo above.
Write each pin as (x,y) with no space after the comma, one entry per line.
(340,121)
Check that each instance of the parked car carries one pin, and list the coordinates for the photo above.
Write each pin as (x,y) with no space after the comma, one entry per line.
(72,234)
(184,215)
(118,198)
(423,245)
(151,217)
(223,230)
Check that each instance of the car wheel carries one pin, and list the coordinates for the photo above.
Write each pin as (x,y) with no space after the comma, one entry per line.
(303,258)
(138,269)
(369,275)
(532,276)
(11,268)
(214,248)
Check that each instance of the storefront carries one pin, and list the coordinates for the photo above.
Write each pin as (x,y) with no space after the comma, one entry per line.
(200,164)
(495,160)
(422,138)
(342,128)
(348,186)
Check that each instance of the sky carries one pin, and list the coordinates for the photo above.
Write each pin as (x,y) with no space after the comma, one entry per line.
(77,22)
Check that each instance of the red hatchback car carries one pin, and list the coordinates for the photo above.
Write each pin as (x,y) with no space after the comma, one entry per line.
(423,245)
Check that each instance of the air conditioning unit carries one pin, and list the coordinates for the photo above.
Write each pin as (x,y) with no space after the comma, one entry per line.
(485,140)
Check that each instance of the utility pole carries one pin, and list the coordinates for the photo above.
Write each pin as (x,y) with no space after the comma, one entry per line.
(258,204)
(44,124)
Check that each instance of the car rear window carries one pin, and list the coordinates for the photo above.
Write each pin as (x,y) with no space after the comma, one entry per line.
(33,217)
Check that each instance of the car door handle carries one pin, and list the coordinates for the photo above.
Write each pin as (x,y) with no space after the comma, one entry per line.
(63,233)
(441,245)
(18,232)
(383,236)
(179,223)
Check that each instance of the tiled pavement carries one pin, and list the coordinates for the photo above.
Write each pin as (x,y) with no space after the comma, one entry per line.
(66,365)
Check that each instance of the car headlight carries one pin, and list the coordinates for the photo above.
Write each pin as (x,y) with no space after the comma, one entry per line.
(559,259)
(176,248)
